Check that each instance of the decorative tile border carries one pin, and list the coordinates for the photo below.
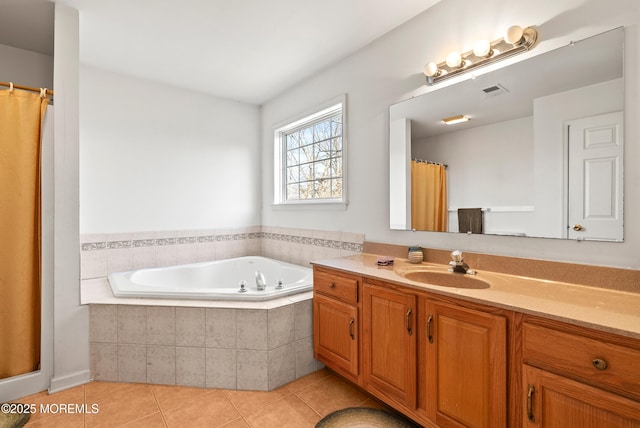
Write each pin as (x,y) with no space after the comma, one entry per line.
(317,242)
(156,242)
(296,239)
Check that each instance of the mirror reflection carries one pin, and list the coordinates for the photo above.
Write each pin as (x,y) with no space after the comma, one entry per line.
(540,155)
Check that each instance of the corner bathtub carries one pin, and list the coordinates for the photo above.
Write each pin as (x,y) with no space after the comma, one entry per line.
(216,280)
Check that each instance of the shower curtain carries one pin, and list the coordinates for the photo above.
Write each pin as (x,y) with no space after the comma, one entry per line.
(429,208)
(21,115)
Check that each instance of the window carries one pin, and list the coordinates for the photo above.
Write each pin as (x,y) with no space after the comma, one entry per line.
(310,158)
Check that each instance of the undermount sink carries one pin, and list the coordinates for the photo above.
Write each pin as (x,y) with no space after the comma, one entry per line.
(447,279)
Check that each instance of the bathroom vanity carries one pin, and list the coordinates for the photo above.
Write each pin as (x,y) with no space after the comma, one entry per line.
(488,350)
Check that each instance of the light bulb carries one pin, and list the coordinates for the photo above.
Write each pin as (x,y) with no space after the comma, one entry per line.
(431,69)
(482,49)
(454,59)
(514,35)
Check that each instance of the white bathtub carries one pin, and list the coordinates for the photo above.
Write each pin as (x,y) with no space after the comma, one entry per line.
(216,280)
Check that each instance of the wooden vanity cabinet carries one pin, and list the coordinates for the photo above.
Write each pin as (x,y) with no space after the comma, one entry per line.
(439,362)
(447,362)
(464,352)
(578,377)
(336,326)
(389,342)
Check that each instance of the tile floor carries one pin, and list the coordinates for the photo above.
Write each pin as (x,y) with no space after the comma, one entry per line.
(301,403)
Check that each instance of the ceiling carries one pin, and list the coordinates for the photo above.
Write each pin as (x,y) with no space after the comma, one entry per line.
(245,50)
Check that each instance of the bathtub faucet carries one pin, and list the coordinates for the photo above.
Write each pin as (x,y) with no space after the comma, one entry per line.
(261,283)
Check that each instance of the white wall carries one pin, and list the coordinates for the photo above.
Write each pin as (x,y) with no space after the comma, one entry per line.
(155,158)
(389,70)
(25,67)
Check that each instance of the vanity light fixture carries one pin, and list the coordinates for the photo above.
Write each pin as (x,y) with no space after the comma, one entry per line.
(515,41)
(456,119)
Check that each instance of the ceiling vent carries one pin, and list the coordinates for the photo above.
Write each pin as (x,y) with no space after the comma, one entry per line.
(495,90)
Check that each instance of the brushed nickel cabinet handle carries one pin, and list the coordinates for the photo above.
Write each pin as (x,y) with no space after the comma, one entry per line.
(351,321)
(408,320)
(530,392)
(599,364)
(429,322)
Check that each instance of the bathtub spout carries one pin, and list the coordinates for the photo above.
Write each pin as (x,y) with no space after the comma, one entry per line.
(261,283)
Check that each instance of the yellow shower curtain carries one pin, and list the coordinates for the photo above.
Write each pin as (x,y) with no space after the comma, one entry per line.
(21,115)
(429,208)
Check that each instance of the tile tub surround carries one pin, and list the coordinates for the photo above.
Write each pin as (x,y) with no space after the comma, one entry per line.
(230,348)
(200,344)
(104,253)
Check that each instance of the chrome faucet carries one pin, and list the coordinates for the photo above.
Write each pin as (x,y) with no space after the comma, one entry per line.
(458,265)
(261,283)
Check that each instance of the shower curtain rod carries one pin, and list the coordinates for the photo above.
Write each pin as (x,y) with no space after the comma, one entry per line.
(431,162)
(24,88)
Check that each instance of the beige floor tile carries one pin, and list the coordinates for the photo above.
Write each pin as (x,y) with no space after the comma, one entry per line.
(289,412)
(45,397)
(374,404)
(331,394)
(301,403)
(58,420)
(238,423)
(96,392)
(207,411)
(128,403)
(247,402)
(307,380)
(172,396)
(154,420)
(47,407)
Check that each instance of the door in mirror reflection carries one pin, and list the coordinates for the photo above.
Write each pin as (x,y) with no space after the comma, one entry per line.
(595,177)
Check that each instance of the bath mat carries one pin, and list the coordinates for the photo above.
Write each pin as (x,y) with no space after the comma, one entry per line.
(360,417)
(12,420)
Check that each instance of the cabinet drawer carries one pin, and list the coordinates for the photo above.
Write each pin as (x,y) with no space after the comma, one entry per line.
(592,361)
(339,286)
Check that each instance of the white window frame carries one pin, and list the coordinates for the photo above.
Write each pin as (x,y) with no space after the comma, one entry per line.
(308,116)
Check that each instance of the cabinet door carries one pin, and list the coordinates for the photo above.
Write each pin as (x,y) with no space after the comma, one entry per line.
(555,401)
(389,344)
(466,372)
(335,335)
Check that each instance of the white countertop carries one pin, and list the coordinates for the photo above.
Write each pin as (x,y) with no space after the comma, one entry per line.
(602,309)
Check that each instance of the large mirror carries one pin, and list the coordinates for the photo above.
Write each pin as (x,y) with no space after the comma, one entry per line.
(541,155)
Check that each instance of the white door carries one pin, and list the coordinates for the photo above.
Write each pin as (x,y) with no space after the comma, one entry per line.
(595,177)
